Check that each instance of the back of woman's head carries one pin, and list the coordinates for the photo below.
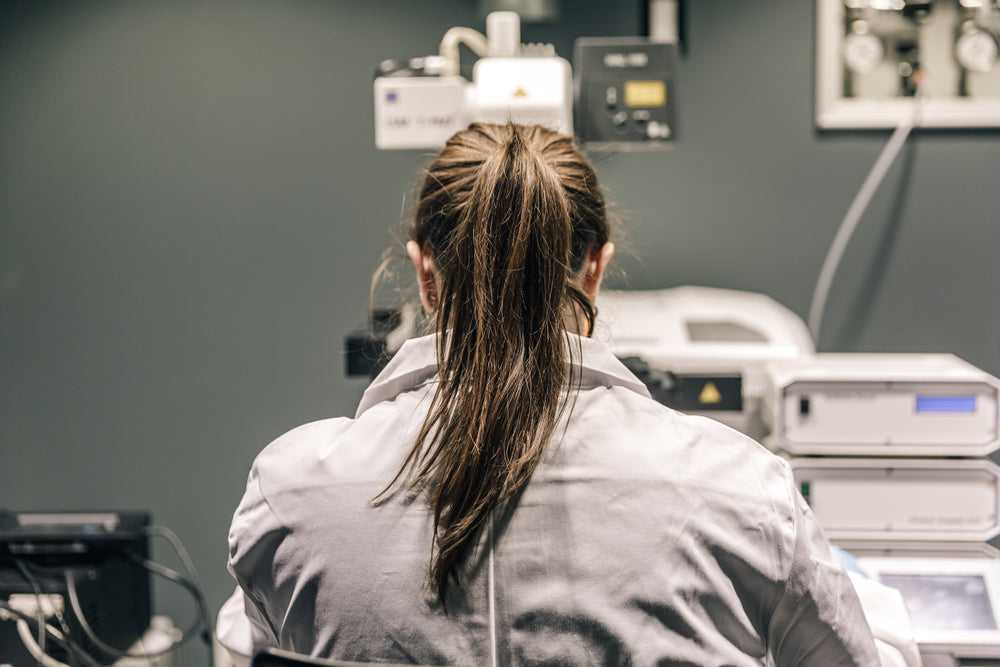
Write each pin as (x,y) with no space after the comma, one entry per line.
(509,216)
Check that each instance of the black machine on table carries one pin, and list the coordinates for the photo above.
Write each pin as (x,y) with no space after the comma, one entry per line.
(93,562)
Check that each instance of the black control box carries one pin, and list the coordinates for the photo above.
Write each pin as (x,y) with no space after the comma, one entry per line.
(625,93)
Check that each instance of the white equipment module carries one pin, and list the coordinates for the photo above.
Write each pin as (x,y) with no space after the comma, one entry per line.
(530,91)
(421,102)
(953,602)
(702,327)
(420,110)
(702,349)
(882,404)
(623,96)
(952,591)
(888,449)
(931,500)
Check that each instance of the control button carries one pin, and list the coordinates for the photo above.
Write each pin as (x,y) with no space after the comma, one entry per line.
(619,118)
(611,96)
(641,115)
(656,130)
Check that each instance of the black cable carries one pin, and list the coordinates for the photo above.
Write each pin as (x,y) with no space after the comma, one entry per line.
(67,644)
(192,572)
(201,620)
(191,583)
(74,600)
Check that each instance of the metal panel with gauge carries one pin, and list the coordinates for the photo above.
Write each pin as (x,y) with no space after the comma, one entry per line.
(873,56)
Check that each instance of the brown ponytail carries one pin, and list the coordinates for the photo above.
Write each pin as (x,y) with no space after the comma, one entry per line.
(508,214)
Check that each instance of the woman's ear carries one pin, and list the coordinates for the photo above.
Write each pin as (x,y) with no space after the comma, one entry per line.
(426,275)
(597,260)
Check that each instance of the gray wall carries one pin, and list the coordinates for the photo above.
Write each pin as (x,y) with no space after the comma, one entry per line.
(191,205)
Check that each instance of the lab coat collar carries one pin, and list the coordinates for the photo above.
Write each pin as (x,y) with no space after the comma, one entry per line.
(416,363)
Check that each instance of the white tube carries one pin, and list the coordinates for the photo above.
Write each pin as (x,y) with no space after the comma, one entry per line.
(34,649)
(449,48)
(853,217)
(503,32)
(664,21)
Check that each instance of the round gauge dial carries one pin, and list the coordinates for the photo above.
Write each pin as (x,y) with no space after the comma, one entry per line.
(863,51)
(976,50)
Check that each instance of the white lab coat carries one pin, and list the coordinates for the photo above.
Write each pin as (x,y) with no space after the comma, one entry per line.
(645,537)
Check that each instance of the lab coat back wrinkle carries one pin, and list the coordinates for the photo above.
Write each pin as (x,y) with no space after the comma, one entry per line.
(645,537)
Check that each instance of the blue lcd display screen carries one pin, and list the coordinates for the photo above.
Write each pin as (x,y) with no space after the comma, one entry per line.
(963,404)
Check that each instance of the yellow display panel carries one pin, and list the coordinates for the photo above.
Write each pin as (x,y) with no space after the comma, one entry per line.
(645,93)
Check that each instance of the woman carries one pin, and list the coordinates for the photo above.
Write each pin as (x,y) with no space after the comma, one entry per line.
(508,493)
